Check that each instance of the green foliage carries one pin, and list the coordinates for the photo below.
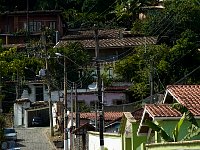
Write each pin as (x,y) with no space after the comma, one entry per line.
(174,19)
(137,28)
(2,98)
(163,133)
(160,130)
(84,107)
(177,128)
(189,115)
(170,64)
(136,68)
(2,126)
(76,59)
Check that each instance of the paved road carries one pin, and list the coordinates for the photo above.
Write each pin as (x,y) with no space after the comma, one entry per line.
(33,139)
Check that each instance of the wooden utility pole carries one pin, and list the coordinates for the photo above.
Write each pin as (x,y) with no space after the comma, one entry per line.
(44,42)
(65,108)
(99,86)
(151,81)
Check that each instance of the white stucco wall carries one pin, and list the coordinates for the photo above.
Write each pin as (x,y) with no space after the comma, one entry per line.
(111,141)
(19,113)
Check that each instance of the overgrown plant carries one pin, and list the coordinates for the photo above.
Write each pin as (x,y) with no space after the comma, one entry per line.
(2,125)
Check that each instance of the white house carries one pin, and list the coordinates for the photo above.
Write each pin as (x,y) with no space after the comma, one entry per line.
(94,142)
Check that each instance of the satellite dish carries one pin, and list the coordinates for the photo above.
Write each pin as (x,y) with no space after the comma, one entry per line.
(42,72)
(92,86)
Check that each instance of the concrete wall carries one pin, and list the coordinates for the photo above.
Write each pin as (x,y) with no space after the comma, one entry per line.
(184,145)
(19,113)
(111,141)
(130,139)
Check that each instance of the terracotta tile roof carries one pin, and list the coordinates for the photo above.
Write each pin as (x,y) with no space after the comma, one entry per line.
(162,110)
(116,88)
(105,33)
(188,95)
(153,111)
(165,110)
(112,43)
(107,115)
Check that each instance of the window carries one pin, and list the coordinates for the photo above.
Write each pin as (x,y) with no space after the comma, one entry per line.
(7,29)
(35,26)
(39,93)
(52,25)
(117,102)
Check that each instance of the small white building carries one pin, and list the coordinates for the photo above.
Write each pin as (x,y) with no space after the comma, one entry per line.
(19,111)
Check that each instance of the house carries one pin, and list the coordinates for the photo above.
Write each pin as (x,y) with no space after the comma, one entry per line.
(113,95)
(113,43)
(165,116)
(16,26)
(37,92)
(93,118)
(147,11)
(86,131)
(128,130)
(25,110)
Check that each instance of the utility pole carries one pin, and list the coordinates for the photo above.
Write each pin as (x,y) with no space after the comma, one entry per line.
(99,86)
(151,81)
(77,108)
(27,20)
(72,119)
(48,83)
(65,108)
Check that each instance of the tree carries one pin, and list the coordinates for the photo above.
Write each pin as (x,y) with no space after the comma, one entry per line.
(127,11)
(170,64)
(173,20)
(136,68)
(77,58)
(13,64)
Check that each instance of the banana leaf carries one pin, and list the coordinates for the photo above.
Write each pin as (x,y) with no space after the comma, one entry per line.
(160,130)
(177,128)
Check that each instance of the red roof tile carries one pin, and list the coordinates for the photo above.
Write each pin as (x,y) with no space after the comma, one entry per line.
(165,110)
(107,115)
(112,43)
(116,88)
(162,110)
(187,95)
(105,33)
